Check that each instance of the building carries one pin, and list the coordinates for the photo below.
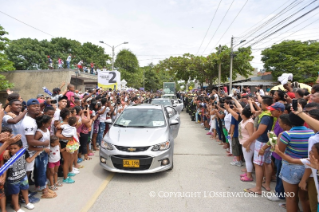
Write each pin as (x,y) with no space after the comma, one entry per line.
(29,83)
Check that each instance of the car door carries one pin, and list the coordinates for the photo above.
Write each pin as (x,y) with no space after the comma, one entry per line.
(173,115)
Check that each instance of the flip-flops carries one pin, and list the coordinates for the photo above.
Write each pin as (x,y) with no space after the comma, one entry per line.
(250,191)
(265,188)
(246,179)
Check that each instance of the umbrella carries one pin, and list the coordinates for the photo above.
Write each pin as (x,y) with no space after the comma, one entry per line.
(280,87)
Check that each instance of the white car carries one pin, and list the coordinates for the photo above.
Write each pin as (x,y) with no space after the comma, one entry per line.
(141,140)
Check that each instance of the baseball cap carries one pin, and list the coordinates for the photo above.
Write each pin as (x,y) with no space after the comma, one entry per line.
(63,97)
(277,106)
(32,102)
(39,95)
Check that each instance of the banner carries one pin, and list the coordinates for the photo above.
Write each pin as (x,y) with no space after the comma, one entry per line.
(11,161)
(109,79)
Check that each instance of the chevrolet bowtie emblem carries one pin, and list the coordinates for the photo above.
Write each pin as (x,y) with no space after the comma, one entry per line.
(131,149)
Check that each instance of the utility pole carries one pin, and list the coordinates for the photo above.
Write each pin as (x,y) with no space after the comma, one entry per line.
(219,68)
(113,55)
(231,64)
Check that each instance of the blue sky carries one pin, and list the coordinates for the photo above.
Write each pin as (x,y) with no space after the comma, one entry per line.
(154,29)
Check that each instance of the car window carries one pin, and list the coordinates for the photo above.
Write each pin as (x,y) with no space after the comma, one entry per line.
(164,102)
(141,118)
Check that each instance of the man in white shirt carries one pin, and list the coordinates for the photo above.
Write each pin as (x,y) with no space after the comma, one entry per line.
(14,122)
(106,108)
(216,98)
(68,60)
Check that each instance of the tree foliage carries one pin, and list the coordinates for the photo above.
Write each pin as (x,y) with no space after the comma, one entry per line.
(5,64)
(205,69)
(296,57)
(27,53)
(127,63)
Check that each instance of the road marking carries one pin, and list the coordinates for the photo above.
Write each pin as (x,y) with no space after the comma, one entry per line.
(97,193)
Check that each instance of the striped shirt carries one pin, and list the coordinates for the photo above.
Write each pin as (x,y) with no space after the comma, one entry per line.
(297,141)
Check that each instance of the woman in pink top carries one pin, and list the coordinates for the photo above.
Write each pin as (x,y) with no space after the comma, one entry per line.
(246,129)
(70,95)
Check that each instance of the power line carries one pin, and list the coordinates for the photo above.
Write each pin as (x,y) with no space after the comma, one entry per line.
(248,30)
(289,29)
(287,25)
(26,23)
(283,11)
(219,25)
(280,23)
(230,24)
(209,27)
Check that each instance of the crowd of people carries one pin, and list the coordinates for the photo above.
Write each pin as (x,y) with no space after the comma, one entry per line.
(242,123)
(58,134)
(59,63)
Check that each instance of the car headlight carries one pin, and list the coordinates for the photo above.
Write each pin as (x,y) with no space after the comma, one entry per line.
(106,145)
(161,146)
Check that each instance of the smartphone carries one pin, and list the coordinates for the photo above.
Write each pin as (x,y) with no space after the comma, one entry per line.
(295,104)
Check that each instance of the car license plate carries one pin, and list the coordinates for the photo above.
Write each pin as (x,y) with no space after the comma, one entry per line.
(131,163)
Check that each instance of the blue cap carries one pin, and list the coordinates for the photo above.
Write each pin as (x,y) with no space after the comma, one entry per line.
(277,106)
(32,102)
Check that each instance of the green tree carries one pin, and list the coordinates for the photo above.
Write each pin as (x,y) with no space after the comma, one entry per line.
(27,53)
(296,57)
(5,64)
(127,63)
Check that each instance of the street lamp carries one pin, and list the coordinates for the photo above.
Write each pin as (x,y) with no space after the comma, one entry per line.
(113,47)
(231,63)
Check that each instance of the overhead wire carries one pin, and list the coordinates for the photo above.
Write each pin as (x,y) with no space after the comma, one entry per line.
(250,29)
(230,24)
(281,23)
(26,23)
(286,25)
(219,25)
(289,29)
(209,26)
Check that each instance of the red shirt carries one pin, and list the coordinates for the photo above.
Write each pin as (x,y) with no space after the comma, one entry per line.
(291,95)
(92,65)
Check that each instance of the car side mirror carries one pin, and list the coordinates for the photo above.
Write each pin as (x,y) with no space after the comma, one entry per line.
(173,122)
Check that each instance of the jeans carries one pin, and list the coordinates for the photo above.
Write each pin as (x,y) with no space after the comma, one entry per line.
(68,64)
(41,163)
(279,189)
(218,130)
(196,117)
(101,132)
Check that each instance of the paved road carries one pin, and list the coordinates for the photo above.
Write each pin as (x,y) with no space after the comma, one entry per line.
(200,169)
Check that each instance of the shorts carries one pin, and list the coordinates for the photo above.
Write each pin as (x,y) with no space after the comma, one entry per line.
(29,166)
(291,173)
(80,67)
(16,187)
(261,159)
(96,126)
(63,144)
(236,147)
(52,165)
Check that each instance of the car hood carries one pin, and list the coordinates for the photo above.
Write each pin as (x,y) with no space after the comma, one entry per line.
(136,136)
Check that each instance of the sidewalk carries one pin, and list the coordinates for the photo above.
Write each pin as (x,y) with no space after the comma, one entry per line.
(77,196)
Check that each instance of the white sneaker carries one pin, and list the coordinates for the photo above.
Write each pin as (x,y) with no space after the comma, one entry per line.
(274,198)
(29,206)
(20,210)
(236,163)
(76,169)
(75,172)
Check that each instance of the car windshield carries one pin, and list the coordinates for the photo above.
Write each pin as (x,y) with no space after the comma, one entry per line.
(143,118)
(164,102)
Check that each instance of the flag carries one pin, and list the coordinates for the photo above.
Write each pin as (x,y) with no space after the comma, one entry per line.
(11,161)
(47,91)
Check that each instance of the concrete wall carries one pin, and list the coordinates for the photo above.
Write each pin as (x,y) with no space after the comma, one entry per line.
(29,83)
